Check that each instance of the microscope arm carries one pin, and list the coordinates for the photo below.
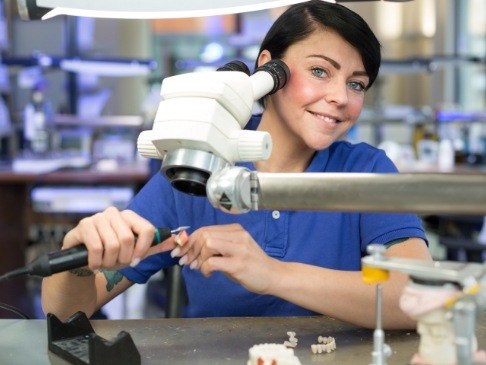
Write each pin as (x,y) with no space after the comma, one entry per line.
(237,190)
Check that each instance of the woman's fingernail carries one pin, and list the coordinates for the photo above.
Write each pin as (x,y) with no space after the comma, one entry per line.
(193,265)
(175,252)
(183,260)
(135,262)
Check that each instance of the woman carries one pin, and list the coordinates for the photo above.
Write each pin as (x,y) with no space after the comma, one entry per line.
(267,263)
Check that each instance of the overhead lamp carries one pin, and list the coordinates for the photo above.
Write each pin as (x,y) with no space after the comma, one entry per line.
(149,9)
(142,9)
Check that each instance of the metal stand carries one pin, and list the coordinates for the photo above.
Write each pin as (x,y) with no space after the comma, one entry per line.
(381,351)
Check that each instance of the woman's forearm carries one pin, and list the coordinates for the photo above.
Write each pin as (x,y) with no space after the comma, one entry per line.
(64,294)
(341,294)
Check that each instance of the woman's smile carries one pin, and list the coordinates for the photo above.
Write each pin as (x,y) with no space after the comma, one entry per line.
(330,121)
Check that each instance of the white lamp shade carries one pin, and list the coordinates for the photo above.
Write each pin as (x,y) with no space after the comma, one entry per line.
(155,9)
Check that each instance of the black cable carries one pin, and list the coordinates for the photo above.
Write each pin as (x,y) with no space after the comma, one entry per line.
(13,309)
(14,273)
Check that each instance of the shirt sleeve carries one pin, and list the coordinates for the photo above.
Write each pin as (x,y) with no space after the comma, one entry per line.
(141,273)
(387,227)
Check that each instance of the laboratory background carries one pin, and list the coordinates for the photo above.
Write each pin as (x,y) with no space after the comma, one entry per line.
(76,92)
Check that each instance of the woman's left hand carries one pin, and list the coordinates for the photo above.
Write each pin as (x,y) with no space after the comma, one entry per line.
(231,250)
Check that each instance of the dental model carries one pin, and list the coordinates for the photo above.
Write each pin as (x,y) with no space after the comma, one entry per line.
(292,342)
(181,238)
(324,345)
(428,305)
(272,354)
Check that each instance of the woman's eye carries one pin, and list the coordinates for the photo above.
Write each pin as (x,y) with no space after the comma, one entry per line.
(357,86)
(318,72)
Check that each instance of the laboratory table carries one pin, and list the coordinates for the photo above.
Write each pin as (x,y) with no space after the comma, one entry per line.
(217,341)
(210,341)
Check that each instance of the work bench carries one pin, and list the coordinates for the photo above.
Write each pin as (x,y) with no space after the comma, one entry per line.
(216,341)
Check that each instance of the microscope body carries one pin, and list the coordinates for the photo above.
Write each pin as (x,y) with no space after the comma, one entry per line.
(199,125)
(206,111)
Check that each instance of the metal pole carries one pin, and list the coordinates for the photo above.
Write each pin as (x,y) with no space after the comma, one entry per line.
(380,349)
(72,52)
(422,193)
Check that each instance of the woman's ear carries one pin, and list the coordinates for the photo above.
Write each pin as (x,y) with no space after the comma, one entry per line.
(264,57)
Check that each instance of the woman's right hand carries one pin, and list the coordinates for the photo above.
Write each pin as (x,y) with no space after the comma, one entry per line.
(115,239)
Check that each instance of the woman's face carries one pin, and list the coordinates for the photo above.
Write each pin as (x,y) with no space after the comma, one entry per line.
(325,93)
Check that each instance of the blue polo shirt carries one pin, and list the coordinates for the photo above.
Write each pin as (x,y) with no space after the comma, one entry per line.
(334,240)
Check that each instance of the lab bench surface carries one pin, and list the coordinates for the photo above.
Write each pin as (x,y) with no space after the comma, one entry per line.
(217,341)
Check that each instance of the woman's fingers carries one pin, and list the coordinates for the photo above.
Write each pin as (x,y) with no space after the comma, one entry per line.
(215,263)
(208,242)
(115,238)
(145,234)
(189,250)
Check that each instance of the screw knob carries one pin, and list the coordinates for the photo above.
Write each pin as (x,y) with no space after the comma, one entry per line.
(376,250)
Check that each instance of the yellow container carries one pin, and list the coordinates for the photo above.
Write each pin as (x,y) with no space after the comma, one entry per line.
(372,275)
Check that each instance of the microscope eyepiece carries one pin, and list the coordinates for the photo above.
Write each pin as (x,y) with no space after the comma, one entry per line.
(235,66)
(279,71)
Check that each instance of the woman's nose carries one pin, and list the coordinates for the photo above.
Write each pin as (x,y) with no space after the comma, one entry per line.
(337,93)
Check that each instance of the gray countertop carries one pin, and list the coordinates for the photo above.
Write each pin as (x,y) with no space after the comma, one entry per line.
(216,341)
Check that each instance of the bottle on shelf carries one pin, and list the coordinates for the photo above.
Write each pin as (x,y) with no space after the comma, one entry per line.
(446,155)
(37,124)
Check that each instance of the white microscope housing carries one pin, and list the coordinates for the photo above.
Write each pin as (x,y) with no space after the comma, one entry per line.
(198,128)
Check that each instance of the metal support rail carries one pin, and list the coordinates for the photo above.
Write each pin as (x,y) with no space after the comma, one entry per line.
(422,193)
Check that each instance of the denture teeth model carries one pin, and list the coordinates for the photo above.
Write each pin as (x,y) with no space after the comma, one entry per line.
(272,354)
(324,345)
(292,342)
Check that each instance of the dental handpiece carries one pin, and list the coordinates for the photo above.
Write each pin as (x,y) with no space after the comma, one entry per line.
(72,258)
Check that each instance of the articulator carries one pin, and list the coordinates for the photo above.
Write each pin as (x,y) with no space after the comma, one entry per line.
(443,297)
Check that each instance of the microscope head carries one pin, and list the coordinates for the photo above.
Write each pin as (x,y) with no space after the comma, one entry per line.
(199,125)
